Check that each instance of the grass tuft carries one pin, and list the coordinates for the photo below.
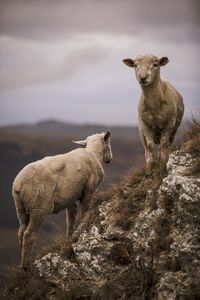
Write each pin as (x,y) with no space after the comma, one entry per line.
(61,245)
(192,146)
(192,138)
(23,285)
(133,194)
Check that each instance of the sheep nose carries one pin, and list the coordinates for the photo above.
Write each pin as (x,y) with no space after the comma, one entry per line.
(143,78)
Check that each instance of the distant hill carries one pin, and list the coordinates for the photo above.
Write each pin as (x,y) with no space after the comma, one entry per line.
(51,128)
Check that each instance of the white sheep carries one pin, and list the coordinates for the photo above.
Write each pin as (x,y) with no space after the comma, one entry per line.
(58,182)
(160,108)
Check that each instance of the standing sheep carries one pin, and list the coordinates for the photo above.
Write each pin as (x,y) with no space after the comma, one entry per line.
(58,182)
(160,108)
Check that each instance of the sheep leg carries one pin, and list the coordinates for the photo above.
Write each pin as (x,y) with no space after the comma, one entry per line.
(71,220)
(79,207)
(87,197)
(147,140)
(29,237)
(23,217)
(149,155)
(83,205)
(67,221)
(22,228)
(80,204)
(164,150)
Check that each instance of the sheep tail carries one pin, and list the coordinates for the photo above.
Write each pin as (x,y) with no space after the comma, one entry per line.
(22,213)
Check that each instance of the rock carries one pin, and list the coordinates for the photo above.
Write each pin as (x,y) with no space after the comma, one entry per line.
(157,257)
(184,191)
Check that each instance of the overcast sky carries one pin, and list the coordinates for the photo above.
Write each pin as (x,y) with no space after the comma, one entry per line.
(63,59)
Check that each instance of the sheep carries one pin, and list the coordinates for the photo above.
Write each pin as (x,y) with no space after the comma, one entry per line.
(160,109)
(54,183)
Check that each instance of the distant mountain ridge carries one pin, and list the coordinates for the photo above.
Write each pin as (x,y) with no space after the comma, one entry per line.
(50,128)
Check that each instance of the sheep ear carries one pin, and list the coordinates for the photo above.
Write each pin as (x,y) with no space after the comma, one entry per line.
(129,62)
(82,143)
(163,61)
(107,135)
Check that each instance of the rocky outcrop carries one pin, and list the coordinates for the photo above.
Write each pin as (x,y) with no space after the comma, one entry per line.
(181,276)
(151,253)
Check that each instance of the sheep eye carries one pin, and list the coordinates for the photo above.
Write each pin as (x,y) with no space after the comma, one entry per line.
(135,65)
(155,65)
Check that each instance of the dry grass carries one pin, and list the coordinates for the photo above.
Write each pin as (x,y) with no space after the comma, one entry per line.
(192,146)
(194,292)
(61,245)
(121,252)
(128,197)
(23,285)
(133,194)
(192,138)
(194,169)
(29,286)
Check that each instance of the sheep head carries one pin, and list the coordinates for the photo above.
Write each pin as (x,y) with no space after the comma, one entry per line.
(98,143)
(147,67)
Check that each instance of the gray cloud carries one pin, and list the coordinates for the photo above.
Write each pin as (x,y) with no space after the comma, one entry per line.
(58,19)
(36,63)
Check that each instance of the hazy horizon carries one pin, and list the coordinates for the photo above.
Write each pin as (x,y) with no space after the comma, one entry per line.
(63,60)
(67,122)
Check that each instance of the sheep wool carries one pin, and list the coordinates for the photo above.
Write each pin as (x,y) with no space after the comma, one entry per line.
(58,182)
(160,108)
